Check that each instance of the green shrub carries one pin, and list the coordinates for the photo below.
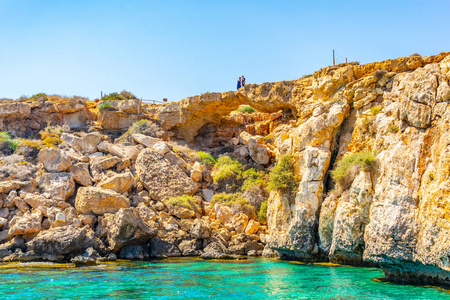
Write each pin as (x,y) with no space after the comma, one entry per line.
(246,109)
(282,177)
(184,201)
(233,200)
(206,158)
(393,128)
(375,110)
(253,178)
(228,172)
(104,105)
(38,97)
(8,141)
(262,213)
(347,167)
(124,95)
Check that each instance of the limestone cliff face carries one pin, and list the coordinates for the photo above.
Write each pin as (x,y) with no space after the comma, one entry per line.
(395,217)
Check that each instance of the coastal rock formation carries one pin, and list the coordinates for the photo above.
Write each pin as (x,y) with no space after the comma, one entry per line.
(369,151)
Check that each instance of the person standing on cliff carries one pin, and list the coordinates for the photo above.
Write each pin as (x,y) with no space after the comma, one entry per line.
(243,81)
(239,83)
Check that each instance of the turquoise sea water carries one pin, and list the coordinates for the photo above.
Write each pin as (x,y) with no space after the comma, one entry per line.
(197,279)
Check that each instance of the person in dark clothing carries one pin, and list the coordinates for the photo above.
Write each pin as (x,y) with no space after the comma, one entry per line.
(239,83)
(243,81)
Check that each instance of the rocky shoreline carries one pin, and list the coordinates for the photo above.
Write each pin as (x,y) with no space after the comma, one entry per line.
(365,146)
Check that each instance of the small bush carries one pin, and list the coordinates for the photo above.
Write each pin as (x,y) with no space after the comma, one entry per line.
(7,143)
(228,172)
(38,97)
(184,201)
(262,213)
(246,109)
(282,177)
(347,167)
(104,105)
(375,110)
(253,178)
(124,95)
(233,200)
(393,128)
(206,158)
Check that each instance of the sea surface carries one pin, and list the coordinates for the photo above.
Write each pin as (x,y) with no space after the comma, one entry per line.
(198,279)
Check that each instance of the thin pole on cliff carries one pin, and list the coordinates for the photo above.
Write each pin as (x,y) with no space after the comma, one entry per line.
(333,58)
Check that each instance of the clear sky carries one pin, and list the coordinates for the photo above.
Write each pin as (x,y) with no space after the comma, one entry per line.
(176,49)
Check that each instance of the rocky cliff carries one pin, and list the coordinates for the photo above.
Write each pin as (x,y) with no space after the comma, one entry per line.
(369,145)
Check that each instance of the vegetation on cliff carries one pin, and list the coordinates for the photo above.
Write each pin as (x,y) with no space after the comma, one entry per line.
(347,167)
(282,176)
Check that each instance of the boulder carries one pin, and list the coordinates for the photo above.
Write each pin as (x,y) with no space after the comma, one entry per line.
(59,185)
(161,148)
(237,223)
(145,140)
(207,194)
(99,201)
(252,227)
(182,212)
(162,179)
(54,160)
(28,223)
(119,183)
(85,142)
(88,258)
(197,172)
(80,173)
(122,151)
(65,240)
(102,163)
(200,229)
(147,215)
(7,186)
(258,152)
(190,248)
(223,213)
(134,252)
(128,228)
(215,250)
(160,248)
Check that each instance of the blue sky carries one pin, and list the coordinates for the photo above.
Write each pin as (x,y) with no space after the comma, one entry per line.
(177,49)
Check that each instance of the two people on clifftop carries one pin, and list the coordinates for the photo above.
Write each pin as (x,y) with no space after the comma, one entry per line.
(241,82)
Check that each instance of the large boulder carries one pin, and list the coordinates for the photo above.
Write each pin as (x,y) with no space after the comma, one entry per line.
(258,152)
(128,228)
(145,140)
(28,223)
(85,143)
(59,185)
(99,201)
(161,248)
(80,173)
(65,240)
(200,229)
(162,179)
(119,183)
(54,160)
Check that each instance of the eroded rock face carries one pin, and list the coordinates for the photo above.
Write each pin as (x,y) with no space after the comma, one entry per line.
(99,201)
(160,178)
(187,116)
